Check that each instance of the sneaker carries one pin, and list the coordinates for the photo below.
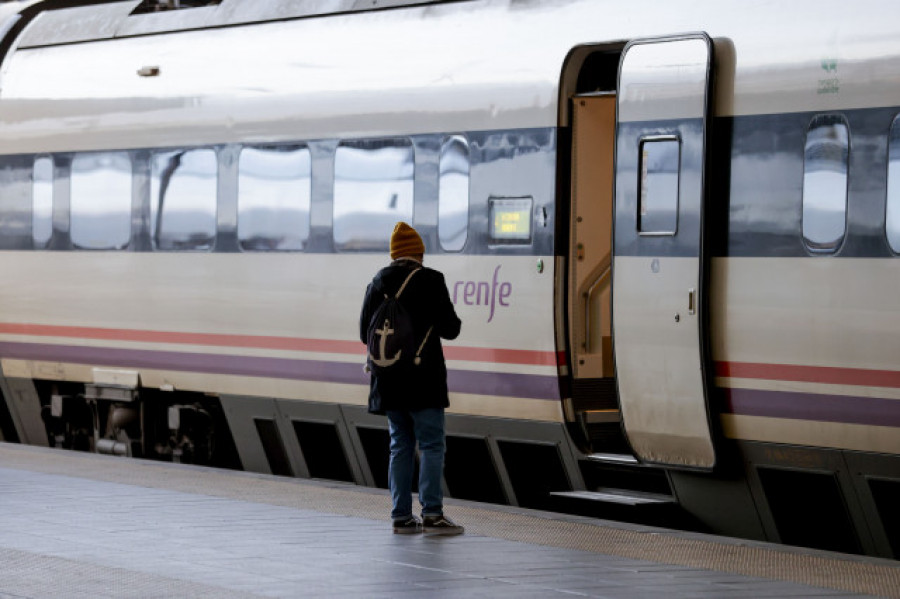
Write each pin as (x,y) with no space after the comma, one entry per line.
(441,525)
(407,526)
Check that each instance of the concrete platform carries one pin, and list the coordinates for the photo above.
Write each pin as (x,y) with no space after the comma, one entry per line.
(81,525)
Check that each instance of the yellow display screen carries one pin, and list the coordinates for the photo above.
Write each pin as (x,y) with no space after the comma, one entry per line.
(511,219)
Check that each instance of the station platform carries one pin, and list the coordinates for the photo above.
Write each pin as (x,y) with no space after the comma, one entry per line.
(82,525)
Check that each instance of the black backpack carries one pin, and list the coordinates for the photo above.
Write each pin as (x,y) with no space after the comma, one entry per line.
(390,338)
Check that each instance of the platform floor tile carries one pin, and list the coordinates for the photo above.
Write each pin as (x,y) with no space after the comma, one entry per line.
(75,525)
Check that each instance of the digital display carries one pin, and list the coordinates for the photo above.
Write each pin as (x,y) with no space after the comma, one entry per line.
(511,219)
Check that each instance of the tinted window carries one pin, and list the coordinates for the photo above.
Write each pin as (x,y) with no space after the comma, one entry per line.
(892,218)
(183,199)
(660,161)
(826,158)
(42,201)
(453,194)
(16,202)
(273,198)
(373,189)
(100,200)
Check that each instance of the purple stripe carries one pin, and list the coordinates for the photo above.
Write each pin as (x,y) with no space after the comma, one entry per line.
(812,406)
(531,386)
(483,383)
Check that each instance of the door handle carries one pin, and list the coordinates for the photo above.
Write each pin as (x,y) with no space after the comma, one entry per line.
(692,301)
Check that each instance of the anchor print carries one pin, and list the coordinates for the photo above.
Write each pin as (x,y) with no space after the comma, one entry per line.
(384,333)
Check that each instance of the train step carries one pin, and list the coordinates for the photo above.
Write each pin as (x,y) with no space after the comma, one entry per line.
(613,458)
(625,472)
(619,497)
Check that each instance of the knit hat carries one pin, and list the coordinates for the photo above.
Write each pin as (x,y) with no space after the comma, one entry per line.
(405,242)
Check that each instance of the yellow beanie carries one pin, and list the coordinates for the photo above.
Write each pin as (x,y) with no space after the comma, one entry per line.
(405,242)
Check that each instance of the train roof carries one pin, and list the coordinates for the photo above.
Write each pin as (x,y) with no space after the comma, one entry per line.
(99,77)
(122,19)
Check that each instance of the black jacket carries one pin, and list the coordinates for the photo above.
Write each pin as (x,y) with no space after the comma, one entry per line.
(427,301)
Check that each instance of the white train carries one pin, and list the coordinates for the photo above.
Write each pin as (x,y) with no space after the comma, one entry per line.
(671,231)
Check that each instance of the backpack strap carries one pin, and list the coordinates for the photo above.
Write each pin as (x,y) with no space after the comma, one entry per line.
(403,286)
(417,359)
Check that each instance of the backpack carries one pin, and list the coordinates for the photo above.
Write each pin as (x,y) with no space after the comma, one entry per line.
(390,338)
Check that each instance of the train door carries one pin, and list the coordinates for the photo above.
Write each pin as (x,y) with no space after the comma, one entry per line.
(658,302)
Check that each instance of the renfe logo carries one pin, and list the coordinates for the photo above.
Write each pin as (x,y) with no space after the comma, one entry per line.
(483,293)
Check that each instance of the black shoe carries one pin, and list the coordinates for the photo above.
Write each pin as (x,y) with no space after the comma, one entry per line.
(442,525)
(407,526)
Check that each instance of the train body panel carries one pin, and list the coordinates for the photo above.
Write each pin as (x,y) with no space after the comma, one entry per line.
(671,235)
(426,69)
(837,387)
(261,317)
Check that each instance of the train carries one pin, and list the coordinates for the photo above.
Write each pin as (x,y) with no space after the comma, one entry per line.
(671,231)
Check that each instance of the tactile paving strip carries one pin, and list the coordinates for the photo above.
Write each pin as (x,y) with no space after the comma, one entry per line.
(849,573)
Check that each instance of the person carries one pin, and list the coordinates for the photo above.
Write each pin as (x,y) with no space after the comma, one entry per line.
(415,403)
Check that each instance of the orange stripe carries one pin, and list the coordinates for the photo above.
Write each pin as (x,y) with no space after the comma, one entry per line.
(501,356)
(216,339)
(810,374)
(474,354)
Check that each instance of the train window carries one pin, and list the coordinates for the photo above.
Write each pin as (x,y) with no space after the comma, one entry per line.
(183,199)
(825,163)
(42,201)
(453,194)
(660,161)
(373,189)
(510,219)
(274,188)
(892,217)
(100,200)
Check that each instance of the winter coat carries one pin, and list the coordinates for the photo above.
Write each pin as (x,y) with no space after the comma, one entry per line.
(427,302)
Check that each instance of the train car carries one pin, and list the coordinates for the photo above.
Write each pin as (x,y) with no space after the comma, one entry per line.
(671,231)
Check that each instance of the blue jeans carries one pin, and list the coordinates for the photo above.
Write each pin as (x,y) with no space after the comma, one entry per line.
(426,426)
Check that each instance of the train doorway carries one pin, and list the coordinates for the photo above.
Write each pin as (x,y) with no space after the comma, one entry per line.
(658,300)
(590,271)
(588,111)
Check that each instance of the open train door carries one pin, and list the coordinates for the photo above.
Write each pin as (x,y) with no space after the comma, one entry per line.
(658,300)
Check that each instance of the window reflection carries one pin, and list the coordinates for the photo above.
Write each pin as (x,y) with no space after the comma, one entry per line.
(892,216)
(825,164)
(658,194)
(183,199)
(453,194)
(273,198)
(42,201)
(100,200)
(373,189)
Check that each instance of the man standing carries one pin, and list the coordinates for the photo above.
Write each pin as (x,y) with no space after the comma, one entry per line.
(414,399)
